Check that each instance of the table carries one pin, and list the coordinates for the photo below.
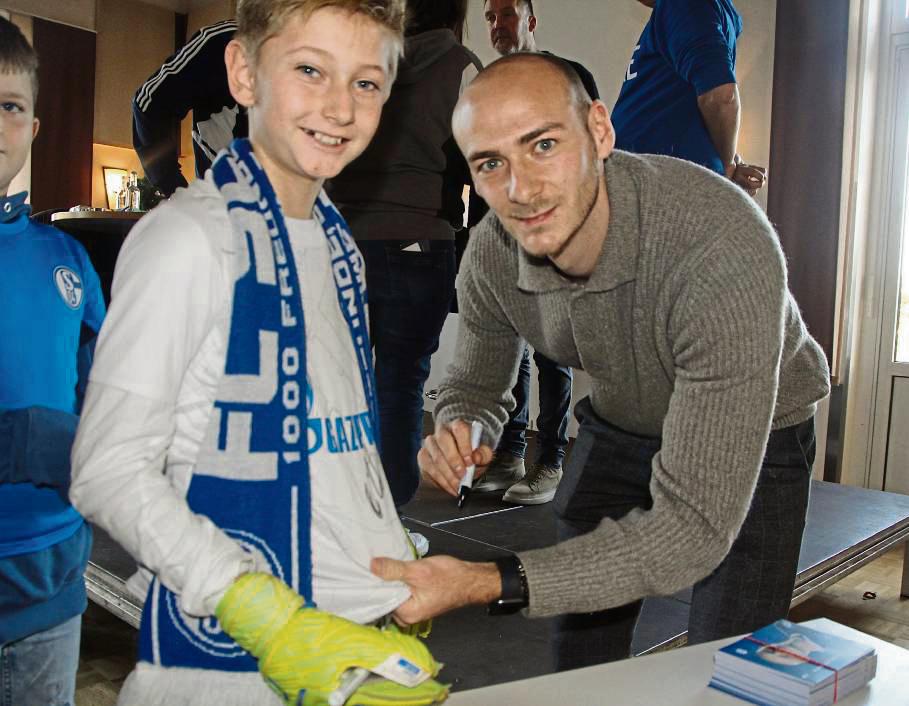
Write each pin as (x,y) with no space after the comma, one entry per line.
(680,678)
(114,222)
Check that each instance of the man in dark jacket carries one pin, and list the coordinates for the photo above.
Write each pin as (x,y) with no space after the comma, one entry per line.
(403,201)
(193,79)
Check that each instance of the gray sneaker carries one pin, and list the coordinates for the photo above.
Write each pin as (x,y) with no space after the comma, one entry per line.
(504,471)
(538,487)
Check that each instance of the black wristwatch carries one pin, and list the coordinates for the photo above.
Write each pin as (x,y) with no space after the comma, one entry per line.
(514,587)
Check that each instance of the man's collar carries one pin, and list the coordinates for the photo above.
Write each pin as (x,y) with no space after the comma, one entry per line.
(617,263)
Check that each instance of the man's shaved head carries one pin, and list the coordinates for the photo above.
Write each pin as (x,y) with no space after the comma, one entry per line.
(532,66)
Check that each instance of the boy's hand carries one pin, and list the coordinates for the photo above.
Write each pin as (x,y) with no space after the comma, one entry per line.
(305,652)
(447,453)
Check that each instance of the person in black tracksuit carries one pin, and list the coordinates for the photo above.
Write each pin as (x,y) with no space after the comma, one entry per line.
(194,79)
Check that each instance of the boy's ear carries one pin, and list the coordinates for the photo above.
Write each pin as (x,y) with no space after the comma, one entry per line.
(241,73)
(35,126)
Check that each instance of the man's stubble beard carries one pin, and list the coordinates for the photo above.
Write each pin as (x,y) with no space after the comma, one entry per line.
(588,202)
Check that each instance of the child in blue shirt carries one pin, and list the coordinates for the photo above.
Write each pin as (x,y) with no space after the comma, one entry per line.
(54,307)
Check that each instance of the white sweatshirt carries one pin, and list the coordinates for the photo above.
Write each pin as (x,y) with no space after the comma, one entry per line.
(157,365)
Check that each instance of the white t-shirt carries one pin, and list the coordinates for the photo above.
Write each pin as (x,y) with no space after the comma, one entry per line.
(158,362)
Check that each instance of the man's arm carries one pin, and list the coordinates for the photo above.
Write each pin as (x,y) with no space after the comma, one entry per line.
(696,40)
(167,290)
(726,329)
(188,77)
(721,111)
(485,367)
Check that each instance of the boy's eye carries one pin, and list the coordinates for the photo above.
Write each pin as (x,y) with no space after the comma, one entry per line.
(10,107)
(308,70)
(545,145)
(365,85)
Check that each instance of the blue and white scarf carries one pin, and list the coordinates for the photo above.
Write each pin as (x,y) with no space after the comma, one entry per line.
(252,474)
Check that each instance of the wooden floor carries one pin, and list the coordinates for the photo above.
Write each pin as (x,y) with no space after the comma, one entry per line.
(849,601)
(108,644)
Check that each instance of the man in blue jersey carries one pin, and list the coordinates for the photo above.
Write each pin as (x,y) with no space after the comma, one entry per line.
(680,96)
(53,309)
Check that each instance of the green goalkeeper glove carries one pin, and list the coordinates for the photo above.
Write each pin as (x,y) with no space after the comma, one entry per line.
(304,654)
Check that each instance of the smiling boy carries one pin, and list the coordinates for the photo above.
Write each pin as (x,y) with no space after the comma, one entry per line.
(228,440)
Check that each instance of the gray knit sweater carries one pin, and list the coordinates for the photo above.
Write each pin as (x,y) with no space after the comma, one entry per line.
(688,332)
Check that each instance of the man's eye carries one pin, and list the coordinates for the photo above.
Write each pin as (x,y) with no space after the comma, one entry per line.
(545,145)
(308,70)
(365,85)
(489,165)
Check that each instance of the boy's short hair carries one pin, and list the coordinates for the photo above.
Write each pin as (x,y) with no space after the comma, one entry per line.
(17,55)
(259,20)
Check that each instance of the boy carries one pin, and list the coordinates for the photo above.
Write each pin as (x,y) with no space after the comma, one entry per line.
(228,440)
(54,306)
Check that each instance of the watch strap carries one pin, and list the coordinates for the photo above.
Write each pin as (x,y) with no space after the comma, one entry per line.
(515,594)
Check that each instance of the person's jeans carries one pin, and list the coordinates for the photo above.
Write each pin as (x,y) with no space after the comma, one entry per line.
(552,422)
(409,297)
(608,475)
(40,670)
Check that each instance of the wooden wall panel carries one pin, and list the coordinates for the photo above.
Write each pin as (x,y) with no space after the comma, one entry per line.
(806,147)
(134,39)
(62,154)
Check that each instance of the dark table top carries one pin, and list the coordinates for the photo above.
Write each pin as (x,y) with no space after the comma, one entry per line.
(108,222)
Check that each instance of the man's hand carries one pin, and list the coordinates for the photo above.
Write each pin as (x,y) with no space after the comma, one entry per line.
(439,584)
(447,453)
(748,176)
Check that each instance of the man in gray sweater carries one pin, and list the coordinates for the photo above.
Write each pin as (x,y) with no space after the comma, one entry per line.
(668,286)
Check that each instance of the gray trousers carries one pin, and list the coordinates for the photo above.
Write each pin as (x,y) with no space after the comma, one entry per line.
(608,475)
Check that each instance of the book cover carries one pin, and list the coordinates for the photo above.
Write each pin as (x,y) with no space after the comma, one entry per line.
(795,652)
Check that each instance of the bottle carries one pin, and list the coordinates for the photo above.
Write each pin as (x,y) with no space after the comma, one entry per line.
(123,195)
(134,193)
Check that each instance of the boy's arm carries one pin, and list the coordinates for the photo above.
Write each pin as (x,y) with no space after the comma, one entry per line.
(34,446)
(167,290)
(92,318)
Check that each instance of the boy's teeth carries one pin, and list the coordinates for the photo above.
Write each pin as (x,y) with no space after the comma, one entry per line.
(326,139)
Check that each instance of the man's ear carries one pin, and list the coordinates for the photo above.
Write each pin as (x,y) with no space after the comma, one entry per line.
(532,23)
(600,126)
(241,73)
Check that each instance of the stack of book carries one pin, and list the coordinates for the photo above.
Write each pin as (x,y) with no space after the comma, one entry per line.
(786,664)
